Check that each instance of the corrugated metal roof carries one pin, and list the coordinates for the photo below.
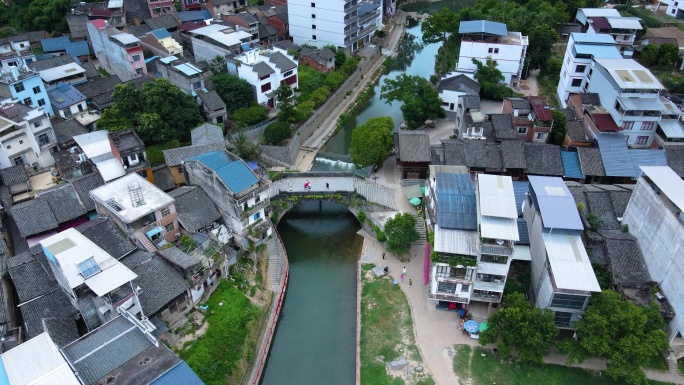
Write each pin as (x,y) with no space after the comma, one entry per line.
(522,253)
(615,155)
(642,104)
(188,69)
(234,173)
(570,263)
(497,197)
(179,374)
(646,157)
(523,232)
(624,22)
(55,44)
(483,26)
(597,51)
(555,202)
(77,48)
(161,33)
(571,165)
(671,128)
(462,242)
(36,361)
(456,202)
(499,228)
(668,182)
(520,189)
(595,38)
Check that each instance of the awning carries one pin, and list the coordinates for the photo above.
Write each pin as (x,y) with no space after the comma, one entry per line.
(413,191)
(153,232)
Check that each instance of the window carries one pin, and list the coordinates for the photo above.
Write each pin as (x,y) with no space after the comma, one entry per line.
(313,15)
(491,50)
(576,82)
(44,139)
(288,73)
(568,301)
(19,87)
(138,71)
(196,85)
(496,50)
(627,125)
(313,5)
(493,259)
(136,58)
(179,169)
(88,268)
(540,136)
(313,26)
(18,161)
(465,288)
(562,319)
(8,147)
(36,90)
(219,119)
(169,227)
(142,173)
(568,61)
(446,287)
(165,211)
(641,140)
(67,112)
(625,38)
(648,126)
(41,102)
(313,37)
(27,101)
(37,123)
(580,68)
(565,74)
(256,216)
(265,87)
(522,130)
(80,107)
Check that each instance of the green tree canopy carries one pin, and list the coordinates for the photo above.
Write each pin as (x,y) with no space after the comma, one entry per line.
(334,80)
(242,147)
(490,78)
(235,92)
(371,141)
(668,55)
(559,128)
(285,103)
(542,37)
(400,231)
(276,132)
(518,325)
(622,332)
(218,65)
(421,100)
(438,26)
(649,55)
(249,116)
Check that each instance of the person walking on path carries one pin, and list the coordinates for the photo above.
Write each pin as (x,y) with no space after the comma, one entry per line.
(383,255)
(404,271)
(327,185)
(402,277)
(410,282)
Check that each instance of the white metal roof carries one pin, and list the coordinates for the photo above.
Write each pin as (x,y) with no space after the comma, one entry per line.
(499,228)
(521,253)
(570,263)
(599,12)
(52,74)
(453,241)
(497,198)
(37,362)
(624,22)
(215,31)
(70,248)
(492,268)
(110,168)
(118,192)
(643,104)
(126,38)
(627,73)
(115,4)
(668,182)
(671,128)
(94,143)
(188,69)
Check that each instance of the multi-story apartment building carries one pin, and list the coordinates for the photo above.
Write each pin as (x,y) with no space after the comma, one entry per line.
(483,39)
(217,40)
(346,24)
(654,215)
(609,22)
(582,50)
(119,53)
(15,51)
(631,94)
(187,76)
(26,86)
(265,70)
(26,135)
(562,276)
(142,211)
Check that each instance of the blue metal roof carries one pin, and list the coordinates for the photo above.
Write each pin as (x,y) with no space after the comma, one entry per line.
(615,155)
(595,38)
(180,374)
(555,203)
(523,233)
(597,51)
(483,26)
(189,16)
(4,379)
(571,165)
(234,173)
(646,157)
(456,202)
(520,189)
(55,44)
(77,48)
(161,33)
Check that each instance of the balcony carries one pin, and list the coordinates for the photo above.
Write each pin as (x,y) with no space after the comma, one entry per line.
(351,7)
(449,297)
(350,19)
(486,296)
(494,249)
(247,210)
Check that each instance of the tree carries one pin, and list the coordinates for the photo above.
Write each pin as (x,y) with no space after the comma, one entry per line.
(401,232)
(437,27)
(46,15)
(218,65)
(249,116)
(529,330)
(542,37)
(622,332)
(490,79)
(421,100)
(349,66)
(371,141)
(276,132)
(558,128)
(285,103)
(243,148)
(235,92)
(320,95)
(334,80)
(668,55)
(114,120)
(649,55)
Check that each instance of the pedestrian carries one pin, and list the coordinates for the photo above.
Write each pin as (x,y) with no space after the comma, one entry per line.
(327,185)
(308,185)
(404,271)
(402,277)
(383,255)
(410,282)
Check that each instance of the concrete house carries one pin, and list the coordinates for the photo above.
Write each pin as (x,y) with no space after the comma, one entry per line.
(68,102)
(15,51)
(453,86)
(266,70)
(187,76)
(24,85)
(119,53)
(26,135)
(161,43)
(217,40)
(562,276)
(609,22)
(60,69)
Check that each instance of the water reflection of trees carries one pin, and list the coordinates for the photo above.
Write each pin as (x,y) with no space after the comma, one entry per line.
(407,51)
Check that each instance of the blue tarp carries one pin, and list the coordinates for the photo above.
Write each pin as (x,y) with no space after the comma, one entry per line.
(153,232)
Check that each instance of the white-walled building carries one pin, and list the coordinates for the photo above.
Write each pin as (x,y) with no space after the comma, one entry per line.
(453,86)
(218,40)
(608,21)
(582,50)
(119,53)
(484,39)
(654,216)
(562,276)
(674,7)
(265,70)
(25,85)
(631,94)
(342,23)
(26,135)
(15,51)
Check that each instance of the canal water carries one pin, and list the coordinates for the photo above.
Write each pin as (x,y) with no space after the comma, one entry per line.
(315,340)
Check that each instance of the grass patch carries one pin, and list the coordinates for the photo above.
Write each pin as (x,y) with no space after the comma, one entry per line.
(462,359)
(548,83)
(387,331)
(680,365)
(225,352)
(488,369)
(656,362)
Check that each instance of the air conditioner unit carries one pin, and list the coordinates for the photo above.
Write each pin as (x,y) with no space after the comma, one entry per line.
(138,290)
(178,235)
(73,149)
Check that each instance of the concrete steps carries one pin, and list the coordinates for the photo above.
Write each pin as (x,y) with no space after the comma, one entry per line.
(149,246)
(672,363)
(376,193)
(274,263)
(420,228)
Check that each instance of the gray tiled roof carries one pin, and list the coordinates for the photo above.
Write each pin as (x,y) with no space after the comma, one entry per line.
(212,100)
(266,30)
(460,83)
(194,207)
(90,70)
(543,159)
(454,153)
(590,160)
(207,132)
(64,202)
(475,153)
(437,154)
(14,175)
(503,126)
(66,130)
(163,178)
(175,156)
(600,204)
(33,217)
(520,103)
(675,158)
(470,102)
(626,260)
(52,305)
(262,69)
(62,331)
(160,282)
(97,87)
(107,348)
(51,63)
(286,45)
(281,61)
(576,131)
(177,257)
(29,277)
(138,30)
(414,146)
(107,235)
(168,21)
(590,98)
(513,154)
(83,185)
(136,8)
(494,159)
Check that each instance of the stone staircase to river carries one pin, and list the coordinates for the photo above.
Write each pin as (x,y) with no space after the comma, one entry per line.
(376,193)
(275,263)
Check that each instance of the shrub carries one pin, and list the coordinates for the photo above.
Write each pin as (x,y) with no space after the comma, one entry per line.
(334,80)
(276,132)
(379,234)
(349,66)
(361,216)
(625,228)
(594,222)
(320,95)
(245,117)
(303,110)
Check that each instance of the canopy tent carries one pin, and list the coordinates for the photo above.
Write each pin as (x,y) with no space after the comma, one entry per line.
(471,326)
(483,326)
(413,191)
(414,201)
